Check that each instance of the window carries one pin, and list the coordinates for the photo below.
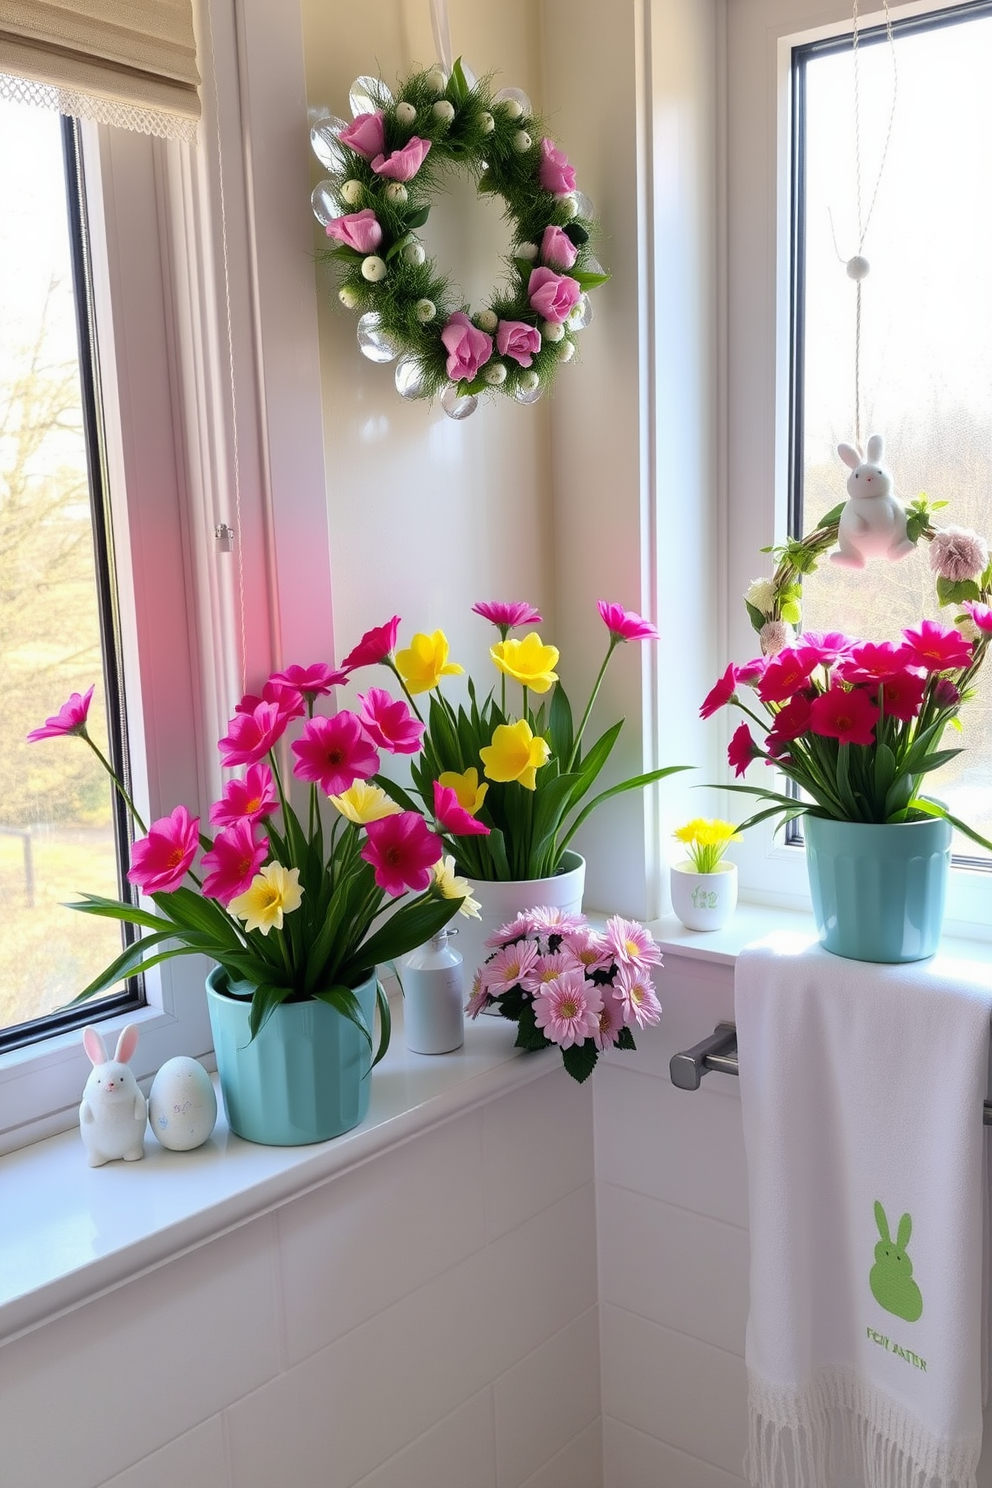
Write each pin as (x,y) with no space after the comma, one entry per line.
(911,390)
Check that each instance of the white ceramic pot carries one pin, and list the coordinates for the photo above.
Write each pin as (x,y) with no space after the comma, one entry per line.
(704,901)
(501,901)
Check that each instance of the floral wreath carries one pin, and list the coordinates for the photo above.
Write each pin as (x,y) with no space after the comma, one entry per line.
(385,166)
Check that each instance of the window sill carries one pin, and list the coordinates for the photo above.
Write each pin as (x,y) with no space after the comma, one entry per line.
(71,1232)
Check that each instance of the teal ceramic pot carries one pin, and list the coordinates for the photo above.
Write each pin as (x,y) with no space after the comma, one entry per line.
(878,890)
(304,1078)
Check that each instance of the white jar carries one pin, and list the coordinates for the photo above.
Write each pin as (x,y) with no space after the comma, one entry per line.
(434,997)
(704,901)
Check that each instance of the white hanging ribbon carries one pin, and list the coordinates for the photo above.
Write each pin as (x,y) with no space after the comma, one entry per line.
(442,32)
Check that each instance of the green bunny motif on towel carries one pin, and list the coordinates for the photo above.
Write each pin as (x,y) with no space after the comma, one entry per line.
(891,1278)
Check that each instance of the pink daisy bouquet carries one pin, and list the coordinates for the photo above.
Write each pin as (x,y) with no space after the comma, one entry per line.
(301,904)
(564,983)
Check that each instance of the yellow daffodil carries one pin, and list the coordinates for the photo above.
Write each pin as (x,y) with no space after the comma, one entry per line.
(362,803)
(707,839)
(425,662)
(515,754)
(466,787)
(273,892)
(453,887)
(529,662)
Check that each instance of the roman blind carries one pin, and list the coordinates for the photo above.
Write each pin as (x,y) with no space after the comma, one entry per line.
(126,62)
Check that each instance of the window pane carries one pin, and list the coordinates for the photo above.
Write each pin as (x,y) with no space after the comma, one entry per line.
(926,329)
(56,830)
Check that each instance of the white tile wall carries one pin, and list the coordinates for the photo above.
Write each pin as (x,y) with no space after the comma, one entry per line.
(197,1458)
(536,1420)
(632,1459)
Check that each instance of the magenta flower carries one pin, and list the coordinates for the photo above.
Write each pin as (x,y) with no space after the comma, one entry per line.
(160,860)
(509,616)
(742,749)
(468,347)
(937,647)
(402,850)
(720,693)
(828,645)
(251,735)
(945,694)
(554,173)
(254,797)
(375,646)
(553,296)
(631,944)
(453,818)
(389,723)
(358,230)
(791,720)
(786,673)
(752,671)
(981,615)
(70,719)
(635,992)
(903,694)
(516,339)
(233,861)
(334,752)
(625,625)
(366,135)
(557,249)
(849,717)
(402,165)
(871,661)
(286,698)
(312,681)
(567,1009)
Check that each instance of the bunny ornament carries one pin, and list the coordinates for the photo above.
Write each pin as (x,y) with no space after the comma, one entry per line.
(112,1113)
(873,522)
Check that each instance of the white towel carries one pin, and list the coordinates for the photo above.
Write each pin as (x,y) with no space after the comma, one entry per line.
(861,1093)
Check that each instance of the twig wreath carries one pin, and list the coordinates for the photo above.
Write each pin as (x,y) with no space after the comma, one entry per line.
(385,168)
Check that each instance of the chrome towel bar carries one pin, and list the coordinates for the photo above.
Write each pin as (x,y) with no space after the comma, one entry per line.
(719,1052)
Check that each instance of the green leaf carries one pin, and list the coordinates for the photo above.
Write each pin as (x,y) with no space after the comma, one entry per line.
(624,1039)
(560,726)
(418,218)
(755,616)
(638,782)
(135,958)
(410,926)
(575,233)
(833,516)
(385,1021)
(529,1036)
(791,612)
(458,88)
(580,1059)
(265,1000)
(933,808)
(398,246)
(587,280)
(395,792)
(950,591)
(117,909)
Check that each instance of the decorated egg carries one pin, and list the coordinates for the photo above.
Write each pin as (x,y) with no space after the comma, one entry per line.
(182,1105)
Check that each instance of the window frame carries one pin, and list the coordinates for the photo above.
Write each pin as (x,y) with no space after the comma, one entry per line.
(759,153)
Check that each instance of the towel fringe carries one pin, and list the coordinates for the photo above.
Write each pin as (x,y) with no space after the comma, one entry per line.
(840,1425)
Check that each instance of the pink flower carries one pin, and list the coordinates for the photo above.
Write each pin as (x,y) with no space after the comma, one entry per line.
(552,295)
(335,753)
(251,735)
(631,944)
(828,645)
(957,553)
(253,797)
(402,850)
(791,720)
(937,647)
(366,136)
(509,616)
(312,681)
(358,230)
(468,347)
(567,1010)
(480,997)
(287,699)
(752,671)
(70,719)
(554,173)
(513,930)
(945,694)
(625,625)
(786,673)
(774,636)
(610,1022)
(847,716)
(376,645)
(981,615)
(509,967)
(547,967)
(389,722)
(720,694)
(550,920)
(871,661)
(453,818)
(233,861)
(635,992)
(742,749)
(516,339)
(903,694)
(402,165)
(586,949)
(557,249)
(160,860)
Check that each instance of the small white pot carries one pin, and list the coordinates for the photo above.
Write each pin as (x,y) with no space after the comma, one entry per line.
(704,901)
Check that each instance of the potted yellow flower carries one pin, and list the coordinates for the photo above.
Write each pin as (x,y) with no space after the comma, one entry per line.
(704,885)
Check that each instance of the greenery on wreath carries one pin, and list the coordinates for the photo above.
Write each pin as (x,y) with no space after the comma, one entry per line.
(389,163)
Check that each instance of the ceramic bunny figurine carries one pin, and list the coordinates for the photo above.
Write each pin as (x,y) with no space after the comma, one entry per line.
(873,522)
(112,1112)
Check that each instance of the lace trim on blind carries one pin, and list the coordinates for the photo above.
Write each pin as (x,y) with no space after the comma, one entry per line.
(138,118)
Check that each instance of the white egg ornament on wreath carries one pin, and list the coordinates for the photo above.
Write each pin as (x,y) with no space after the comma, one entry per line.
(182,1104)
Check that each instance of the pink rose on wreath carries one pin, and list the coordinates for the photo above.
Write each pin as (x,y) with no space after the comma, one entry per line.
(555,174)
(358,230)
(468,347)
(518,340)
(557,249)
(366,136)
(552,295)
(402,165)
